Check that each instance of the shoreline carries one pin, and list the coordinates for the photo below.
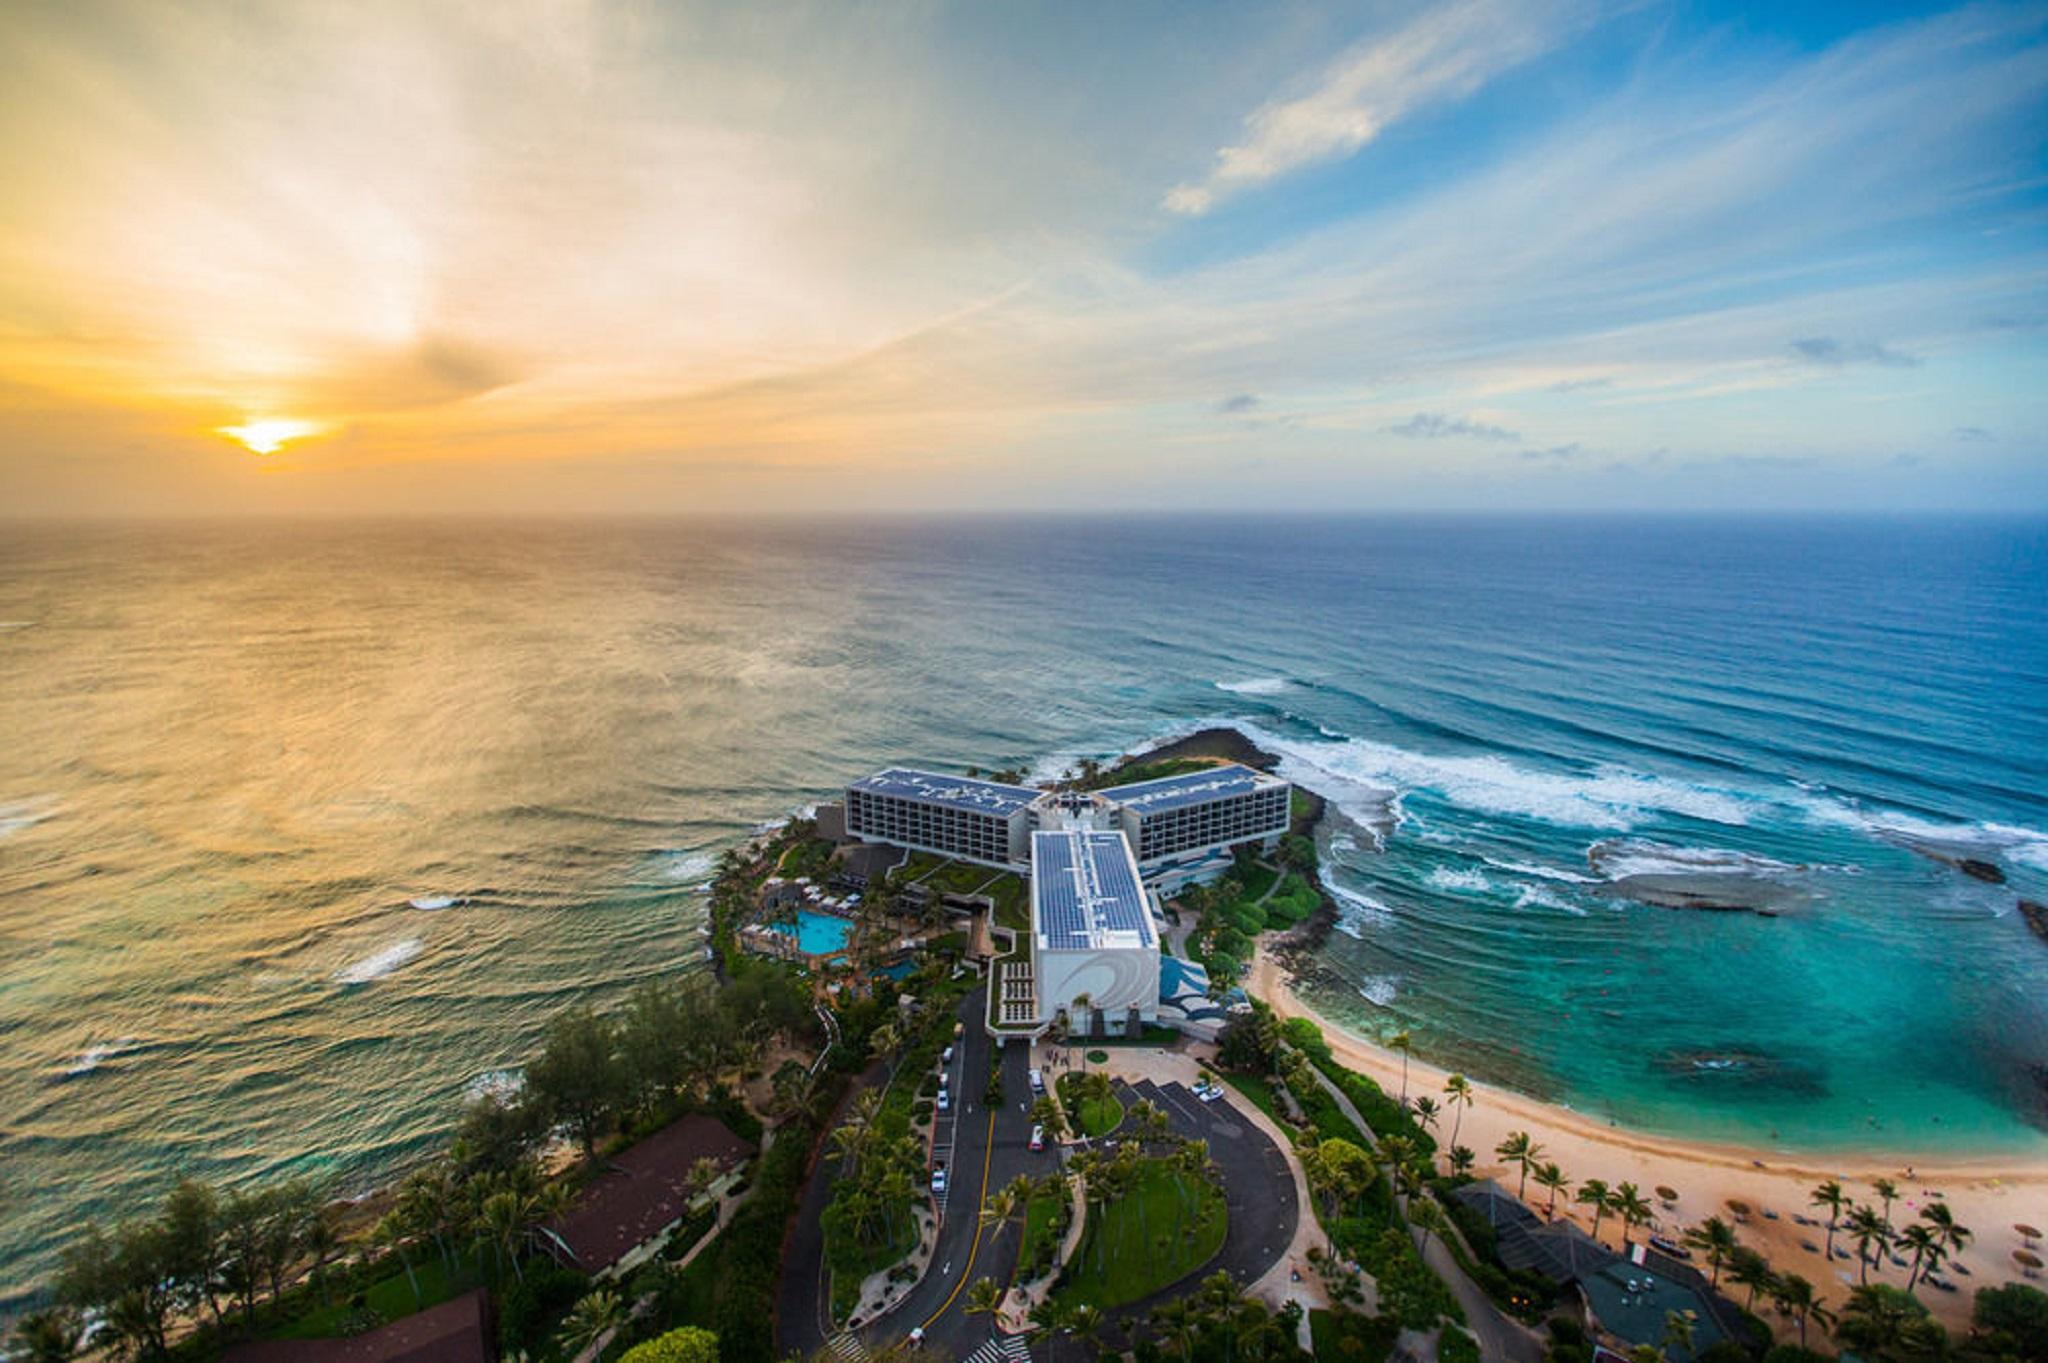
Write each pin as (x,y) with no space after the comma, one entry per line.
(1987,1195)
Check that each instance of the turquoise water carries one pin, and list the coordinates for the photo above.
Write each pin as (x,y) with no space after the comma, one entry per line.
(817,934)
(306,829)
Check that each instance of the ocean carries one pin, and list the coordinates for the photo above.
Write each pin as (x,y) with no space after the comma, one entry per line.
(306,828)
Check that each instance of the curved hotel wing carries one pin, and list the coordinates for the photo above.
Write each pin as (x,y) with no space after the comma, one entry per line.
(1097,949)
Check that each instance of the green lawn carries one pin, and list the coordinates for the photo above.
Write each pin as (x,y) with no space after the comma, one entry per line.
(1043,1227)
(1091,1117)
(1261,1094)
(1256,877)
(1146,771)
(1154,1235)
(806,858)
(389,1297)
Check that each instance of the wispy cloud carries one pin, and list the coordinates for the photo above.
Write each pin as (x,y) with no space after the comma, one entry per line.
(1238,403)
(1833,353)
(1446,53)
(1971,433)
(1436,426)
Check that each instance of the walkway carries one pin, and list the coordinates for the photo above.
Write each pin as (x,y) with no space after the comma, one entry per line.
(1501,1340)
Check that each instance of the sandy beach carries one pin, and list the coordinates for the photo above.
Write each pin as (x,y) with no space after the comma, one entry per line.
(1988,1197)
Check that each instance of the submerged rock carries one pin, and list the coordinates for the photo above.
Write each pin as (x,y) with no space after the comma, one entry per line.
(2036,916)
(1974,867)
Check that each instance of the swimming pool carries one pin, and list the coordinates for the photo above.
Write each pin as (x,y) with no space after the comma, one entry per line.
(817,934)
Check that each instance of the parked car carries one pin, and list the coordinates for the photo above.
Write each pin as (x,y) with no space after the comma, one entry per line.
(1037,1084)
(938,1178)
(945,1101)
(946,1056)
(1208,1093)
(1038,1138)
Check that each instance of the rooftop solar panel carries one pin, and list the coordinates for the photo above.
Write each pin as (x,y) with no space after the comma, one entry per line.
(959,792)
(1085,891)
(1188,788)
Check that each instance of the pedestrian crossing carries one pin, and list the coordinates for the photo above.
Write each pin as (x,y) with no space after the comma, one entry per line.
(846,1346)
(1001,1349)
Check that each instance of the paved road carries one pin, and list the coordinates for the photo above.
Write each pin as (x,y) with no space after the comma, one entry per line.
(983,1150)
(994,1146)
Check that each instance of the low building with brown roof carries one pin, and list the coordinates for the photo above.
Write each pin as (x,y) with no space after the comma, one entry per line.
(458,1331)
(642,1194)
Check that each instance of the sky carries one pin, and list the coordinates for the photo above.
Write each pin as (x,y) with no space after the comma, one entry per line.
(567,255)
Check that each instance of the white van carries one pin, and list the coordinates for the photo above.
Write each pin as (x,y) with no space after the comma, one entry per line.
(1037,1084)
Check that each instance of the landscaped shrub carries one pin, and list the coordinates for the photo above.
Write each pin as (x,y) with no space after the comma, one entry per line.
(529,1308)
(1455,1346)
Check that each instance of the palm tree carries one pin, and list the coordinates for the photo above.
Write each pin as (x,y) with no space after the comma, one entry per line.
(595,1315)
(52,1336)
(1405,1044)
(1866,1228)
(1795,1296)
(1952,1236)
(1426,1110)
(391,1233)
(1086,1322)
(1595,1193)
(1751,1270)
(1426,1216)
(1462,1159)
(984,1298)
(1518,1149)
(1175,1322)
(1888,1192)
(1552,1177)
(1831,1196)
(1629,1205)
(1925,1242)
(1715,1239)
(1677,1333)
(1457,1094)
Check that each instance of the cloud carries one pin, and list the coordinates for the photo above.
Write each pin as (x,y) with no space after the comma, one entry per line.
(1553,452)
(1436,426)
(1973,433)
(1445,54)
(1238,403)
(1579,385)
(1826,350)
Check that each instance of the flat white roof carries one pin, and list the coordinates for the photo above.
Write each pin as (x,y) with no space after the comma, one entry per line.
(1085,892)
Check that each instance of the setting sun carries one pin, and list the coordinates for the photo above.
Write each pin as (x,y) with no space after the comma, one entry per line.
(267,437)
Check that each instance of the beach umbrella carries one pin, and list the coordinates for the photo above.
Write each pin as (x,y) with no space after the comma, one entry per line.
(1668,1194)
(2027,1233)
(2028,1260)
(1738,1206)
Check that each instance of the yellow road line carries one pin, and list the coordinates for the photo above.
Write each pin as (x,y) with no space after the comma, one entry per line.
(974,1247)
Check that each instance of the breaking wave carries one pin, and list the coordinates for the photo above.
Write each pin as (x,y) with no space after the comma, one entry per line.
(429,903)
(92,1057)
(1256,686)
(1460,881)
(1607,797)
(692,866)
(382,963)
(1618,858)
(1380,989)
(1356,912)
